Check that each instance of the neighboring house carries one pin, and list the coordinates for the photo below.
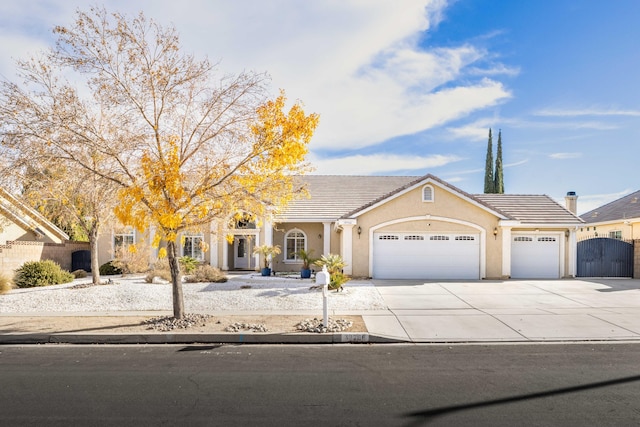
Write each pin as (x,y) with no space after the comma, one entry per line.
(19,222)
(619,219)
(26,235)
(403,227)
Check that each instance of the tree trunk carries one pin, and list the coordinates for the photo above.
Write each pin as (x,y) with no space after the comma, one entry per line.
(176,281)
(93,248)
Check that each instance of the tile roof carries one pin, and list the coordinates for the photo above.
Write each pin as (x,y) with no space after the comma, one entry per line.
(623,208)
(530,209)
(340,196)
(333,196)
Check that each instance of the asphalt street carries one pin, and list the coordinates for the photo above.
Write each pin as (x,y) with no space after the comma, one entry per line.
(587,384)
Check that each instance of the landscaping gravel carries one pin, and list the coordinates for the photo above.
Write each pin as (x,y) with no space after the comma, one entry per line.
(249,292)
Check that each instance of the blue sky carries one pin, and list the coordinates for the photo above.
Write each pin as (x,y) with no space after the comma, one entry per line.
(412,86)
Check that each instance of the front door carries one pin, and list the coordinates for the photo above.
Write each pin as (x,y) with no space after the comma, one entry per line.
(242,253)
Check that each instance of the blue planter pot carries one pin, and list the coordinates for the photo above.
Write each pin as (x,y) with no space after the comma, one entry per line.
(305,273)
(266,272)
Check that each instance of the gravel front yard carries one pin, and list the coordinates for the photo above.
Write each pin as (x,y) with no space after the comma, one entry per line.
(245,293)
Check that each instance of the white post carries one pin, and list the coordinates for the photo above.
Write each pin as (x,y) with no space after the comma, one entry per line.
(213,244)
(347,247)
(256,257)
(506,252)
(268,233)
(326,234)
(225,254)
(573,256)
(322,278)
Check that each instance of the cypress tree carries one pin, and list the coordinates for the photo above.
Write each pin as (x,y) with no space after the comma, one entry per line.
(489,183)
(499,176)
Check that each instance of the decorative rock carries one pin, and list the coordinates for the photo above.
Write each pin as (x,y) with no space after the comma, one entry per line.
(315,325)
(169,323)
(252,327)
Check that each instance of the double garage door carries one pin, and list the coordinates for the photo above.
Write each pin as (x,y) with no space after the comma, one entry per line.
(426,256)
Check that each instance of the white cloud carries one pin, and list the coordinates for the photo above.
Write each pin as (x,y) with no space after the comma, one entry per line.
(377,163)
(474,131)
(514,164)
(551,112)
(563,156)
(356,63)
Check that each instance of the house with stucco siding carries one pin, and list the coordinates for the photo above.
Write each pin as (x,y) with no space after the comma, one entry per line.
(26,235)
(400,227)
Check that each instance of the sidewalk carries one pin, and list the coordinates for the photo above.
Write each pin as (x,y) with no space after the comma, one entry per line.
(417,312)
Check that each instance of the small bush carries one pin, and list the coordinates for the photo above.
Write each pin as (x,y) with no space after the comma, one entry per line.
(160,269)
(337,280)
(188,264)
(109,269)
(5,284)
(41,273)
(132,258)
(79,274)
(206,273)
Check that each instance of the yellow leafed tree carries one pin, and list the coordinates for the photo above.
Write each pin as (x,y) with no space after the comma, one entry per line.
(184,145)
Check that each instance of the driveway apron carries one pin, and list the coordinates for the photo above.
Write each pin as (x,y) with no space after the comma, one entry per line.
(508,311)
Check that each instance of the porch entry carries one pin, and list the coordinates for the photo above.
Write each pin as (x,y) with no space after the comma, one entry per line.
(243,253)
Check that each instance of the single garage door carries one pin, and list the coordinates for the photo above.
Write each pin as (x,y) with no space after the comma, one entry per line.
(535,257)
(426,256)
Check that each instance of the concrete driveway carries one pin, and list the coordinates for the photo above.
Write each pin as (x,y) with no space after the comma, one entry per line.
(509,311)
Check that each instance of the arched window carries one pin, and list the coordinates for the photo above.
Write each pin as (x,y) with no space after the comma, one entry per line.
(294,241)
(427,193)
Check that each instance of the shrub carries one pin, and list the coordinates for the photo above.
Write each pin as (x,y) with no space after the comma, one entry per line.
(79,274)
(5,284)
(109,269)
(160,269)
(206,273)
(132,258)
(337,280)
(188,264)
(334,264)
(41,273)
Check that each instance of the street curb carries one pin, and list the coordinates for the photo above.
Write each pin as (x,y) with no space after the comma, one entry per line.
(187,338)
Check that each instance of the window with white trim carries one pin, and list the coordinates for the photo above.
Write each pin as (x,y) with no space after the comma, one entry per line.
(123,239)
(294,241)
(193,245)
(427,193)
(617,234)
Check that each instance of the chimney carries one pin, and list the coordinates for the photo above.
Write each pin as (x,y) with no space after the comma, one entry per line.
(571,202)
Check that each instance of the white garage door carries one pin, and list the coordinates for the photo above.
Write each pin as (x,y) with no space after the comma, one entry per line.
(426,256)
(535,257)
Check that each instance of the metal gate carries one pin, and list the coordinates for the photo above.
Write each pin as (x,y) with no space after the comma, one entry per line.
(604,257)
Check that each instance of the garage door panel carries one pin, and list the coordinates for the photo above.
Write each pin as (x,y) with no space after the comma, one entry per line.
(426,256)
(535,257)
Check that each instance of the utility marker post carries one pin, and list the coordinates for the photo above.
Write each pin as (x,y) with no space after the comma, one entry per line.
(322,278)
